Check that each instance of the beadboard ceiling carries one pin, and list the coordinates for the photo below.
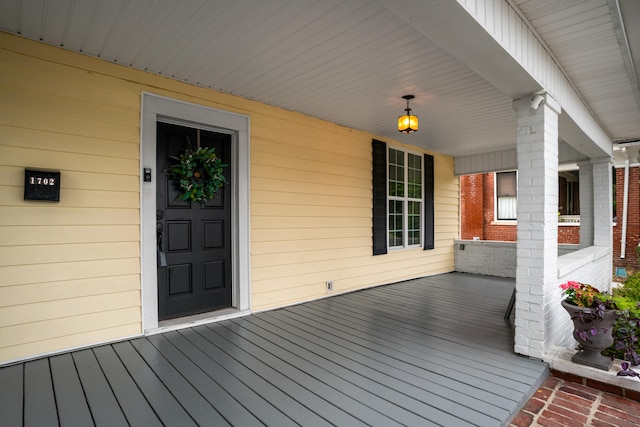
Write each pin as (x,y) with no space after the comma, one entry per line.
(348,61)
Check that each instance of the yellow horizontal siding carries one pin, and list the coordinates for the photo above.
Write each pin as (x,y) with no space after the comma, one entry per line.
(65,79)
(302,199)
(321,189)
(64,262)
(357,168)
(83,269)
(47,329)
(39,213)
(311,150)
(294,210)
(26,99)
(80,198)
(258,222)
(46,254)
(51,234)
(289,234)
(65,143)
(67,289)
(70,307)
(286,175)
(307,244)
(34,158)
(57,122)
(300,257)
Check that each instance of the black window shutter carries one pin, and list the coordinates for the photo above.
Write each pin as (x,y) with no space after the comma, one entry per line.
(379,197)
(428,202)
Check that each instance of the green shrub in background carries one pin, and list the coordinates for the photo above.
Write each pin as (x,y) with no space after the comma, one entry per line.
(627,328)
(630,290)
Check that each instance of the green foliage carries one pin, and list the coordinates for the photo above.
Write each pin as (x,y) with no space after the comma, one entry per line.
(199,173)
(631,288)
(626,304)
(626,331)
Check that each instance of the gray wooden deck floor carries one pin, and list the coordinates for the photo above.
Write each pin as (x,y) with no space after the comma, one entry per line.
(432,351)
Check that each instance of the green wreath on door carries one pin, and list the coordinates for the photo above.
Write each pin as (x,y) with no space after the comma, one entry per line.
(200,174)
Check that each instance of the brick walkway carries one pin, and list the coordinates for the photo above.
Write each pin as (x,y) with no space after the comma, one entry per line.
(564,403)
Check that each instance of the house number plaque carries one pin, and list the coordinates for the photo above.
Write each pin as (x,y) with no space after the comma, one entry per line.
(41,185)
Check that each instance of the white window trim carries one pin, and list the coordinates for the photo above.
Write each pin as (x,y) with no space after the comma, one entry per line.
(405,215)
(153,109)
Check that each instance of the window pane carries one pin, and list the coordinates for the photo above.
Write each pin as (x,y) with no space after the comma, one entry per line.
(396,173)
(396,157)
(414,187)
(506,184)
(415,223)
(396,181)
(395,223)
(507,207)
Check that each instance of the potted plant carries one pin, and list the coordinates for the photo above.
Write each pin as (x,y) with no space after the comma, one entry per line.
(593,314)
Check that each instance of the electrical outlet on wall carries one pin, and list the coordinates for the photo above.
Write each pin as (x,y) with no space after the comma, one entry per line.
(329,285)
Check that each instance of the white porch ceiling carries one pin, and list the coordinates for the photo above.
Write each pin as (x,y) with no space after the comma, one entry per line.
(349,61)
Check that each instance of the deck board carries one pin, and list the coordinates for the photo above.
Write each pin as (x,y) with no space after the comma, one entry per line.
(328,384)
(72,406)
(104,407)
(445,409)
(200,409)
(430,351)
(39,397)
(232,410)
(133,402)
(404,377)
(11,394)
(196,350)
(392,360)
(261,379)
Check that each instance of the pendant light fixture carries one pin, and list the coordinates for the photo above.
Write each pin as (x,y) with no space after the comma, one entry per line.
(408,122)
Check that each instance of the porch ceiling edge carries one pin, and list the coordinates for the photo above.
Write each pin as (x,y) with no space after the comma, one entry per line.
(513,58)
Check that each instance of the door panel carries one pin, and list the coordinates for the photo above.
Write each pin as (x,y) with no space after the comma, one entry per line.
(196,239)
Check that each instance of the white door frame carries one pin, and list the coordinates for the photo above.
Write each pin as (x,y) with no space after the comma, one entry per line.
(158,108)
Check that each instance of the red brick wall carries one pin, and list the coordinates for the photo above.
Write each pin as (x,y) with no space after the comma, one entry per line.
(633,219)
(569,234)
(471,206)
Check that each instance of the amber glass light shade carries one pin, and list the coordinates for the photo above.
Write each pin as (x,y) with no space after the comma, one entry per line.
(408,123)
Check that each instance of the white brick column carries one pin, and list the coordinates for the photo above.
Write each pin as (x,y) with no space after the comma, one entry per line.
(602,203)
(537,229)
(586,204)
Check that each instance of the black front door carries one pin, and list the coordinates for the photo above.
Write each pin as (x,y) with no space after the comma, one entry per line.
(195,239)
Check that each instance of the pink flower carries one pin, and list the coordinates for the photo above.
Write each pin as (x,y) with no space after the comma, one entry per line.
(570,285)
(573,284)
